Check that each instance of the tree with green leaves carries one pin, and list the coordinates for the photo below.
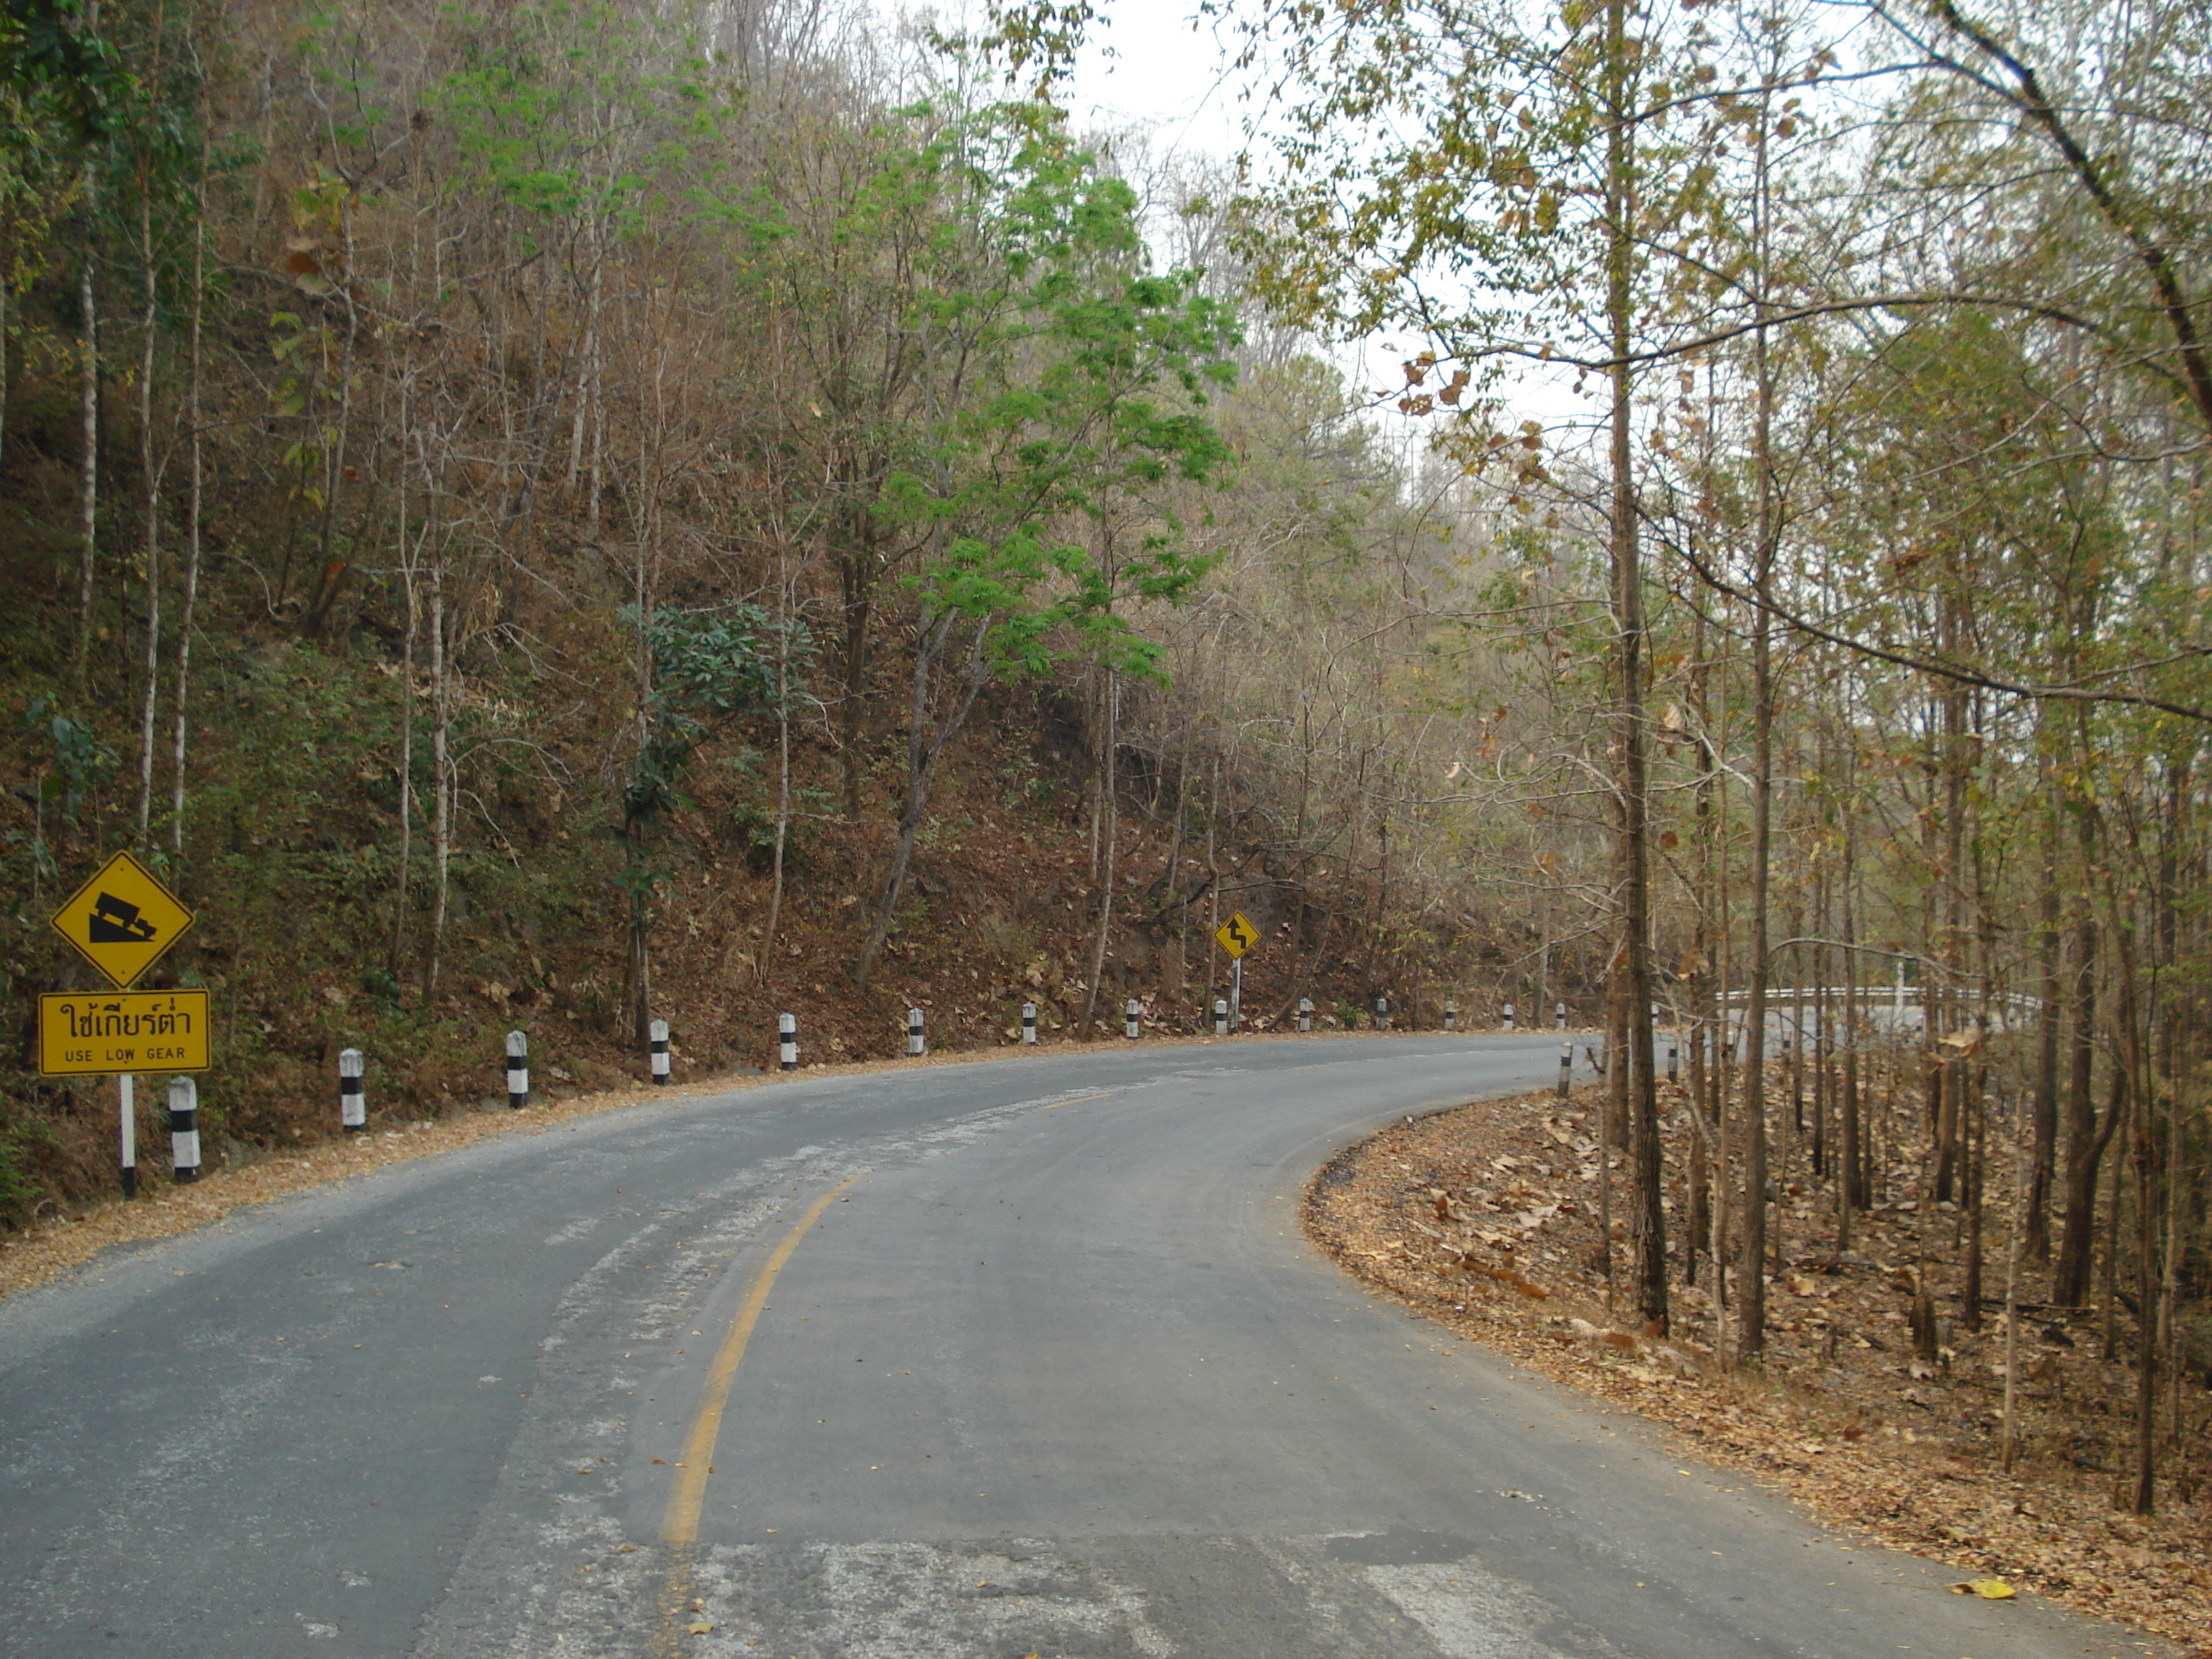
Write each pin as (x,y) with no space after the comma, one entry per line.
(1494,183)
(1088,382)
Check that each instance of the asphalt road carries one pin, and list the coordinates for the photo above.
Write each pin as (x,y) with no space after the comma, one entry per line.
(992,1360)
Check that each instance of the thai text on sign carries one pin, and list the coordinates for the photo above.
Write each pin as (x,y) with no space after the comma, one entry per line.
(84,1034)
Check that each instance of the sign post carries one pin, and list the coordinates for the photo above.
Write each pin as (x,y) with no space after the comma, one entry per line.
(1236,936)
(123,920)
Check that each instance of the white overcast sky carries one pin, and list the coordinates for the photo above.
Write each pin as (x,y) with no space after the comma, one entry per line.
(1153,63)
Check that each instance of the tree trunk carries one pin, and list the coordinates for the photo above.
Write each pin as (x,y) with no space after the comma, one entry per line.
(924,746)
(87,465)
(441,833)
(1851,1184)
(2147,1297)
(150,707)
(2035,1202)
(2085,1139)
(1610,1117)
(638,967)
(637,972)
(2118,1109)
(1620,1028)
(783,606)
(1647,1224)
(1951,1116)
(1110,831)
(1977,1113)
(397,944)
(856,563)
(2009,1442)
(188,609)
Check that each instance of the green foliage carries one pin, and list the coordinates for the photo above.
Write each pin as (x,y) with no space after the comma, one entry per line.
(1094,383)
(720,666)
(567,111)
(47,51)
(80,763)
(26,1142)
(707,670)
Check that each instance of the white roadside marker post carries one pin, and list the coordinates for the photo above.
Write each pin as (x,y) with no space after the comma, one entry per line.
(657,1042)
(184,1131)
(914,1043)
(1221,1017)
(1306,1013)
(1509,1015)
(787,1043)
(127,1106)
(518,1070)
(1029,1023)
(1133,1020)
(353,1105)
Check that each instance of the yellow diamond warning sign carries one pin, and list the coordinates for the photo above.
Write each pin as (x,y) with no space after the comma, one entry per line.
(1236,935)
(123,920)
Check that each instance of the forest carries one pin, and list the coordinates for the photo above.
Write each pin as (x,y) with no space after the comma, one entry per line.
(554,515)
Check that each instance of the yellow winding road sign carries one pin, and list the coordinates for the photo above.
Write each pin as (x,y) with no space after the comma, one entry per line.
(123,920)
(1236,935)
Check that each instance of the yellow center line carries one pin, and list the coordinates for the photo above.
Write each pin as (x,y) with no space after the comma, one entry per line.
(1077,1101)
(679,1526)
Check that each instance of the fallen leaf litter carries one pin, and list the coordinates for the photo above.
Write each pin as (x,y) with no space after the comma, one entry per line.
(1484,1219)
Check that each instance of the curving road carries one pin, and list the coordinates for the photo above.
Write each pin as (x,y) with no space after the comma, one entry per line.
(992,1360)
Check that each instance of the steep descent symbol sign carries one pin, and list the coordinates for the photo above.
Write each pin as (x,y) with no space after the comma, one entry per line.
(123,920)
(1236,935)
(116,921)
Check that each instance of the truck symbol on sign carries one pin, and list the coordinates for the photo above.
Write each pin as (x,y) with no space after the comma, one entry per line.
(116,921)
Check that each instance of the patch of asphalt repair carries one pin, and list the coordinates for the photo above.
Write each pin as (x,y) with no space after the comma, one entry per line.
(1281,1598)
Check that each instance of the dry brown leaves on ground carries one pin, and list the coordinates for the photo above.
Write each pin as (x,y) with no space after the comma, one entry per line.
(1485,1220)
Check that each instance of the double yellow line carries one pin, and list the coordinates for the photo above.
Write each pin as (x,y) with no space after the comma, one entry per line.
(679,1525)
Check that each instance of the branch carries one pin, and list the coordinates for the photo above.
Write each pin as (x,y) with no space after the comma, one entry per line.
(1964,676)
(2031,101)
(2043,308)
